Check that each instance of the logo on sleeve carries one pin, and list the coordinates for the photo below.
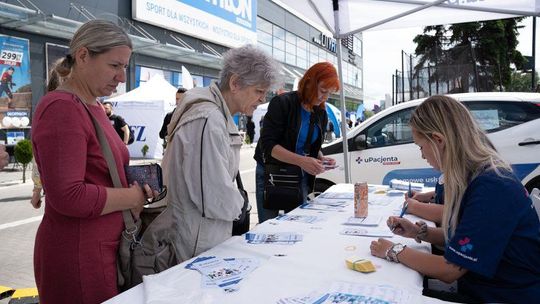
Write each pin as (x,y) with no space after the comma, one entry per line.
(465,244)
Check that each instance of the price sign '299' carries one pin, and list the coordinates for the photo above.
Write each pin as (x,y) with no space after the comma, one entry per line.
(11,57)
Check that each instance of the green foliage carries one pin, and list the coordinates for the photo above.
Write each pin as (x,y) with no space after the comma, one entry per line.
(144,150)
(475,45)
(521,82)
(368,114)
(23,154)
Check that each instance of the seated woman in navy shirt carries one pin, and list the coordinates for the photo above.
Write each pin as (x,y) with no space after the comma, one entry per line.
(490,228)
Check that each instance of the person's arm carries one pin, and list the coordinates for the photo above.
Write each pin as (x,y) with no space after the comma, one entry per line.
(133,198)
(125,128)
(404,227)
(276,123)
(219,197)
(4,157)
(428,211)
(309,164)
(426,263)
(424,197)
(166,121)
(62,152)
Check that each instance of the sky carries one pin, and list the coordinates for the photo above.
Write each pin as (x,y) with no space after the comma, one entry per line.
(382,56)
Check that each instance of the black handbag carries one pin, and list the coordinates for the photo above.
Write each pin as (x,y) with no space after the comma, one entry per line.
(283,188)
(241,225)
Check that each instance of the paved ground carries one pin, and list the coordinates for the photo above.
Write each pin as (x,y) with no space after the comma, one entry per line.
(19,221)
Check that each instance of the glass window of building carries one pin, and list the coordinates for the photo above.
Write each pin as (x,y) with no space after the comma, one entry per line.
(265,38)
(357,46)
(263,25)
(290,48)
(313,54)
(279,55)
(278,32)
(301,53)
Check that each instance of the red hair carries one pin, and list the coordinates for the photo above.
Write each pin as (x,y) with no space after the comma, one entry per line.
(322,73)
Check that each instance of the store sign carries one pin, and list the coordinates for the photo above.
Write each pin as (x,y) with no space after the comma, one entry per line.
(328,43)
(15,82)
(226,22)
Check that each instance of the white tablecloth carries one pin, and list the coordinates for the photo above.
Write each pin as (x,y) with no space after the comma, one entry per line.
(290,270)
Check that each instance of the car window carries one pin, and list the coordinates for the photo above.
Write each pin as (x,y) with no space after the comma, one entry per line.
(494,116)
(391,130)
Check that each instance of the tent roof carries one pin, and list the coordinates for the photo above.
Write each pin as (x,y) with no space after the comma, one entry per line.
(360,15)
(157,88)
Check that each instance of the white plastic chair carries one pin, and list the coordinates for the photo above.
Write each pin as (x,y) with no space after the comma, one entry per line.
(535,197)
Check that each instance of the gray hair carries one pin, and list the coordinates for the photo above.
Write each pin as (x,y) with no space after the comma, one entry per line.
(253,67)
(98,36)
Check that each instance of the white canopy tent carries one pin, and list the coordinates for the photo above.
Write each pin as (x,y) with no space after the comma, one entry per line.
(342,18)
(143,109)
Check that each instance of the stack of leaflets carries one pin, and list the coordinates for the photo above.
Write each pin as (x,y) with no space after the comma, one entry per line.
(309,219)
(224,273)
(337,195)
(358,231)
(284,238)
(372,220)
(398,184)
(348,293)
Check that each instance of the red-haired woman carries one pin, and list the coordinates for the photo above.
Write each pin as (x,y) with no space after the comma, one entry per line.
(285,130)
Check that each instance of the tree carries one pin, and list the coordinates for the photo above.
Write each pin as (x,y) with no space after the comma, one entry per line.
(144,150)
(23,154)
(520,82)
(467,54)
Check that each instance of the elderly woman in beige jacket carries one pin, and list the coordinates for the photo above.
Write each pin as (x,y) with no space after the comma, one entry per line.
(202,157)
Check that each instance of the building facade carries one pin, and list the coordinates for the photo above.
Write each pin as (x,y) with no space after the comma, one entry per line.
(168,35)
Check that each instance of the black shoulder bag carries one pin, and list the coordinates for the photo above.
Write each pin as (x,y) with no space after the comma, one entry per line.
(283,189)
(241,225)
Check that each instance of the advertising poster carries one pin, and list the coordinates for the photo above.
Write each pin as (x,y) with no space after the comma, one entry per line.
(229,23)
(15,80)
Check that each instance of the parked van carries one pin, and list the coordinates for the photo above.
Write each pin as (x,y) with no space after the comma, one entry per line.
(382,148)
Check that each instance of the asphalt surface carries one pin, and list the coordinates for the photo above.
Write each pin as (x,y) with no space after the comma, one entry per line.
(19,221)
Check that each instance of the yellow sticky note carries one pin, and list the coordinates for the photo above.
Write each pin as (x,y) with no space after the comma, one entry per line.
(361,265)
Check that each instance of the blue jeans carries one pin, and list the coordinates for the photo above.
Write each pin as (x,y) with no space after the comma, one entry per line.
(266,214)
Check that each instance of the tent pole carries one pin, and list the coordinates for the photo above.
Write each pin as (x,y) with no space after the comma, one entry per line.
(341,94)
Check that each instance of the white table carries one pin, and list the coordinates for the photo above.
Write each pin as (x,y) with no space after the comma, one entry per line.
(290,270)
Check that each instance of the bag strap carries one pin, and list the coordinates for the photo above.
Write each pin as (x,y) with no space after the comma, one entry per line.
(307,145)
(111,163)
(246,201)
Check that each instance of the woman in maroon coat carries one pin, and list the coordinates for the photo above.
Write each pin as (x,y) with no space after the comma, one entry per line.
(77,241)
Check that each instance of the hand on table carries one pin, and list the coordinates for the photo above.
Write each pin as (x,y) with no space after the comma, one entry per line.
(379,247)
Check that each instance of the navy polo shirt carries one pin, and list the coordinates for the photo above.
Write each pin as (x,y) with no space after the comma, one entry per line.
(497,239)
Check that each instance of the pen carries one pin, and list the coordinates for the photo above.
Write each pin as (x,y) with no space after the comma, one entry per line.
(403,211)
(410,194)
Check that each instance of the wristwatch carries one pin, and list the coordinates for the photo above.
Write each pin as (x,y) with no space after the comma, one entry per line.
(392,253)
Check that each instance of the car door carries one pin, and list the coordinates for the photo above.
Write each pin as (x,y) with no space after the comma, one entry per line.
(513,128)
(385,150)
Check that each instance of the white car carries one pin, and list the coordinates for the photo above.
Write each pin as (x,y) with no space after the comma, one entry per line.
(381,148)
